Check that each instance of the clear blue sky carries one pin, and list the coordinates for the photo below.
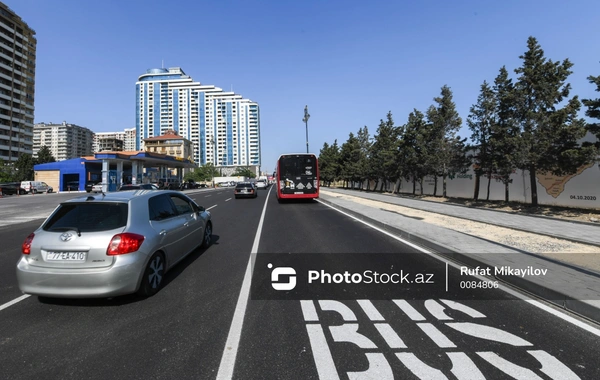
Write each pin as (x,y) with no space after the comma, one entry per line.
(350,61)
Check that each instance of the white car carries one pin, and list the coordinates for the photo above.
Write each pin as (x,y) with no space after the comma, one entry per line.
(261,184)
(97,188)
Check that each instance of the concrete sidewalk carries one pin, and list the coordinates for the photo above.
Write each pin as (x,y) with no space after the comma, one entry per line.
(567,286)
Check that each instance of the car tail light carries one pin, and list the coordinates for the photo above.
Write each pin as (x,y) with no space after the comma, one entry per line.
(124,243)
(26,246)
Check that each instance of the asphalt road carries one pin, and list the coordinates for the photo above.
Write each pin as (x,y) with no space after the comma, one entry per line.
(197,326)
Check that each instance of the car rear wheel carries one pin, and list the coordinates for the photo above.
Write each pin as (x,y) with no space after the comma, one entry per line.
(207,235)
(153,275)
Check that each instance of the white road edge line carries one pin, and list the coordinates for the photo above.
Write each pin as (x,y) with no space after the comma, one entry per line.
(235,330)
(211,207)
(510,291)
(10,303)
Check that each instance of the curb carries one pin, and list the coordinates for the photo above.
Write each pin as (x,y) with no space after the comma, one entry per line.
(550,295)
(574,240)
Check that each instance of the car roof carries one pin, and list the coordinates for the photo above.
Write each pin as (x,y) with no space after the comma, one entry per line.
(120,196)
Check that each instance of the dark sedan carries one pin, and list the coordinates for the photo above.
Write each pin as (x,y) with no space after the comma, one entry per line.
(245,190)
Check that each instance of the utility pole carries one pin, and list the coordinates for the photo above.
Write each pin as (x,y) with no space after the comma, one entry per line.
(305,120)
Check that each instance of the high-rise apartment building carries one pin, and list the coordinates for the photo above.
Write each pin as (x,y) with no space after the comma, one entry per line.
(65,141)
(118,141)
(17,85)
(223,127)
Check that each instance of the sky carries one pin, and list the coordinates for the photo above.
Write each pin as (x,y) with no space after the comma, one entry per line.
(351,62)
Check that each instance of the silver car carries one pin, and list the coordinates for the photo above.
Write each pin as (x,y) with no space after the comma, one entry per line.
(113,244)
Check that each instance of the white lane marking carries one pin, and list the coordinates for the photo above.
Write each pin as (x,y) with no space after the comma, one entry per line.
(436,335)
(389,335)
(409,310)
(228,199)
(321,353)
(209,195)
(524,297)
(488,333)
(348,332)
(437,310)
(511,369)
(344,311)
(309,311)
(10,303)
(235,330)
(370,310)
(211,207)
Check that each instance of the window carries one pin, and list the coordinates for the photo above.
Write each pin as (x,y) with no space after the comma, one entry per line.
(161,207)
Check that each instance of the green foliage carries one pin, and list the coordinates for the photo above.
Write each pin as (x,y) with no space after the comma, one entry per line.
(44,155)
(203,173)
(350,155)
(549,133)
(447,150)
(593,110)
(384,151)
(244,172)
(24,168)
(365,143)
(412,153)
(329,163)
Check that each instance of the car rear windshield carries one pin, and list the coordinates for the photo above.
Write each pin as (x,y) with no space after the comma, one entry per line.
(88,217)
(243,186)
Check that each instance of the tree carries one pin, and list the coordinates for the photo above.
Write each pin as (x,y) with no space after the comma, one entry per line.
(244,172)
(505,137)
(549,133)
(204,173)
(593,110)
(384,150)
(44,155)
(329,166)
(24,168)
(364,168)
(412,155)
(444,144)
(349,160)
(480,120)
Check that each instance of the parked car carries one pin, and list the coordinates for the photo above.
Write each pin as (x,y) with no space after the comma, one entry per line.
(169,183)
(119,243)
(189,184)
(144,186)
(35,187)
(97,188)
(89,186)
(245,190)
(12,188)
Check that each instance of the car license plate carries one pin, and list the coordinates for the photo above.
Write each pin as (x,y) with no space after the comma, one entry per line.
(65,256)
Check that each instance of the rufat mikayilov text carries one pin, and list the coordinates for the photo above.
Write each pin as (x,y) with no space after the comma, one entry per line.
(369,277)
(504,270)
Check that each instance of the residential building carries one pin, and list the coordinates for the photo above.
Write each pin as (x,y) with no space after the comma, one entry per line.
(17,85)
(119,141)
(170,144)
(223,127)
(65,140)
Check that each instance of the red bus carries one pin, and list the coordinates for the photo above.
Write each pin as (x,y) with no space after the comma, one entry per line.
(297,176)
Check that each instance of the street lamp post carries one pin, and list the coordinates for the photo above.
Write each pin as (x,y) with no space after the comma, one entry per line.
(305,120)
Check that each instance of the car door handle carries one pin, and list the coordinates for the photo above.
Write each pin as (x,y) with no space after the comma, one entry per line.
(186,224)
(163,232)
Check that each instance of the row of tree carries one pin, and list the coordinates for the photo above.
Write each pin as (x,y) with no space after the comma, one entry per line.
(22,168)
(530,124)
(207,172)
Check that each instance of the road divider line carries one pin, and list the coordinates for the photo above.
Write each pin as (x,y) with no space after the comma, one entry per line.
(527,298)
(235,330)
(228,199)
(213,206)
(209,195)
(10,303)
